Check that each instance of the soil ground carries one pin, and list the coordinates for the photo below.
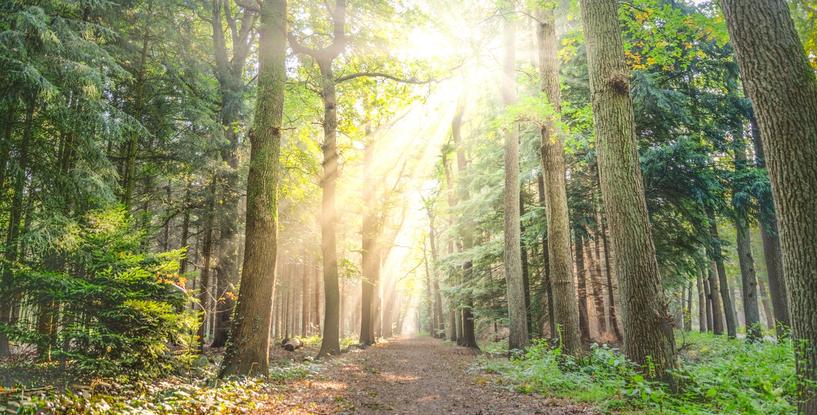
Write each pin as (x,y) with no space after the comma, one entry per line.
(417,375)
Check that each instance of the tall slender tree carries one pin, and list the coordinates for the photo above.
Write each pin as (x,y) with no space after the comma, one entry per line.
(248,348)
(783,90)
(512,257)
(560,263)
(648,337)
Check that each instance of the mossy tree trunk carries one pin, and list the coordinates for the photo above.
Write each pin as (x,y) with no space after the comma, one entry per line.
(248,347)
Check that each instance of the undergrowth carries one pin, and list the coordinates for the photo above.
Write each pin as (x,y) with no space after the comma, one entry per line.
(717,376)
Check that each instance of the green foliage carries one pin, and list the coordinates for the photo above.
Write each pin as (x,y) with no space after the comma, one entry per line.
(124,310)
(172,396)
(717,376)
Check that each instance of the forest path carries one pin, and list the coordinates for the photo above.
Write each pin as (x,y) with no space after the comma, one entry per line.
(417,375)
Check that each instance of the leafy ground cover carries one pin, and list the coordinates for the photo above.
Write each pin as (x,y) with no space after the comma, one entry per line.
(717,376)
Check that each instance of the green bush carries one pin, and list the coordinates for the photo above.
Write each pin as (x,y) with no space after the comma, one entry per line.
(717,376)
(113,308)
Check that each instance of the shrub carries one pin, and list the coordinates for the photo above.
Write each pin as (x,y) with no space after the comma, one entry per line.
(111,307)
(717,376)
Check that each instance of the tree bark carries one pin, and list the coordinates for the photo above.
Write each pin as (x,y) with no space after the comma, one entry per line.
(581,280)
(608,271)
(546,282)
(512,256)
(13,229)
(248,348)
(771,245)
(715,299)
(782,86)
(723,283)
(648,336)
(560,263)
(702,305)
(748,277)
(595,281)
(371,262)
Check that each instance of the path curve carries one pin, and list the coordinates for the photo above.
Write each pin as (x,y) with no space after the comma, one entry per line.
(418,375)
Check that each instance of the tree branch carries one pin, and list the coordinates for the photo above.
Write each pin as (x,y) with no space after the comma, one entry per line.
(383,75)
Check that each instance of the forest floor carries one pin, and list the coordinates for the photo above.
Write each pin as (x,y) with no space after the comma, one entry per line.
(411,375)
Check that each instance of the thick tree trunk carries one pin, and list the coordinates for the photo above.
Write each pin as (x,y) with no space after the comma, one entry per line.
(771,245)
(248,349)
(723,282)
(648,336)
(751,311)
(782,86)
(560,263)
(512,256)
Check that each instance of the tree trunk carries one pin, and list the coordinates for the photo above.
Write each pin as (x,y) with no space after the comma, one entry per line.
(512,256)
(763,294)
(715,299)
(688,309)
(248,349)
(438,302)
(648,336)
(771,245)
(185,231)
(783,90)
(595,280)
(206,248)
(608,271)
(553,168)
(371,261)
(525,269)
(581,280)
(702,305)
(546,282)
(723,282)
(748,277)
(13,229)
(304,298)
(330,344)
(466,337)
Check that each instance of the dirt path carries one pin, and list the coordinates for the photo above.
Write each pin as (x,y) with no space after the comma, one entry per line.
(408,376)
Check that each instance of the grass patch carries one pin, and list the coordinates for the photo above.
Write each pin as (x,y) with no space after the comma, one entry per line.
(717,376)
